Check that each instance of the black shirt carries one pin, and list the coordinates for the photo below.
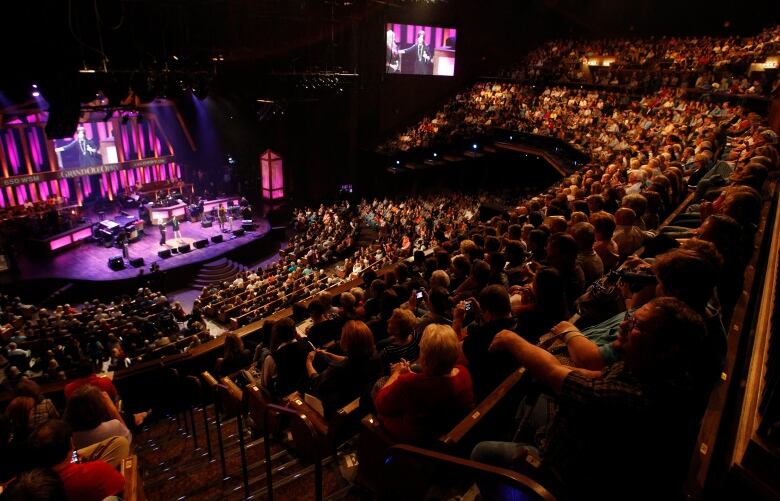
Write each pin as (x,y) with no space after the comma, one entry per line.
(487,369)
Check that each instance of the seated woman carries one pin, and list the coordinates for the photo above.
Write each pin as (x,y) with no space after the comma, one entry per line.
(93,417)
(284,369)
(235,356)
(346,377)
(29,408)
(404,340)
(418,408)
(543,306)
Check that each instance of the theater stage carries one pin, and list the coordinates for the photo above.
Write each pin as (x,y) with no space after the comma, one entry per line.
(89,261)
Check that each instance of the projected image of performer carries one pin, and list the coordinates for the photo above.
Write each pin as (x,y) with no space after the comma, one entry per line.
(423,59)
(393,59)
(83,152)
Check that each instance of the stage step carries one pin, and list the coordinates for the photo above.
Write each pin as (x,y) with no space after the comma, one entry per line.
(220,270)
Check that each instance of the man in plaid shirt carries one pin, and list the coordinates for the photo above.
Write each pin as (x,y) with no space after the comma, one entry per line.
(639,411)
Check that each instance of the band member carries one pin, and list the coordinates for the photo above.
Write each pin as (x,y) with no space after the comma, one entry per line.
(163,230)
(176,229)
(124,243)
(222,217)
(86,149)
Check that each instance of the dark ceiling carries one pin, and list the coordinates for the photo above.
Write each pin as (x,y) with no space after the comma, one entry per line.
(246,40)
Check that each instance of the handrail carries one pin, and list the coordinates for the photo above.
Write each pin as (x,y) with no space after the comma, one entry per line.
(750,415)
(713,417)
(460,430)
(133,490)
(671,217)
(551,159)
(267,442)
(494,473)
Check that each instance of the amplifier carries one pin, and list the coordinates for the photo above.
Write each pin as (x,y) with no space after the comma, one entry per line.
(116,263)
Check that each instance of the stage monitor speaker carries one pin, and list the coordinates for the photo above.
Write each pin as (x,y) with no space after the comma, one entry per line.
(217,239)
(164,253)
(116,263)
(184,248)
(239,232)
(137,262)
(206,223)
(247,225)
(199,244)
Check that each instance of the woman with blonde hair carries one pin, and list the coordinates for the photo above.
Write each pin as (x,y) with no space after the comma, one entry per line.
(418,408)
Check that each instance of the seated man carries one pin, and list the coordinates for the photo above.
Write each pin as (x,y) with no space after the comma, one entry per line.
(493,314)
(50,446)
(635,412)
(683,274)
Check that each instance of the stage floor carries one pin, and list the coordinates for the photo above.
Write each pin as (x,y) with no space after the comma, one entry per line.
(89,261)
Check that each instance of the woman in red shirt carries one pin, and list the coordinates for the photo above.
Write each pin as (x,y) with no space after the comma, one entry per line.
(418,408)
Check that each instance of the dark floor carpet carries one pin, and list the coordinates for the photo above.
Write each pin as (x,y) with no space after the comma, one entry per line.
(173,469)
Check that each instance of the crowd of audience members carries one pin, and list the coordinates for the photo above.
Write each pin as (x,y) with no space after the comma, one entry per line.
(703,63)
(591,120)
(422,343)
(716,64)
(323,252)
(462,303)
(69,453)
(51,345)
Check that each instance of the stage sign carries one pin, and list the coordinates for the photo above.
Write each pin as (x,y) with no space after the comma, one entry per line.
(84,171)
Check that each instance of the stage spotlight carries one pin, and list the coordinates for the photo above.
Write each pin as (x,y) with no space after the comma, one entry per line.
(398,162)
(511,138)
(35,92)
(474,146)
(435,154)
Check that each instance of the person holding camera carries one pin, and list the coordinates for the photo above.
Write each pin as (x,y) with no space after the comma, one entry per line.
(437,304)
(86,475)
(640,410)
(687,275)
(476,330)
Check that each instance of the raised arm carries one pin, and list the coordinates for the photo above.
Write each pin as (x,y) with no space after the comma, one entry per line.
(584,352)
(537,361)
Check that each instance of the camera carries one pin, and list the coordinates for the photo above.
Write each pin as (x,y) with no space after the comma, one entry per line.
(420,293)
(636,279)
(468,305)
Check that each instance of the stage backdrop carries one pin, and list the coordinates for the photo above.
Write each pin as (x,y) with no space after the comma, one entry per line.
(102,158)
